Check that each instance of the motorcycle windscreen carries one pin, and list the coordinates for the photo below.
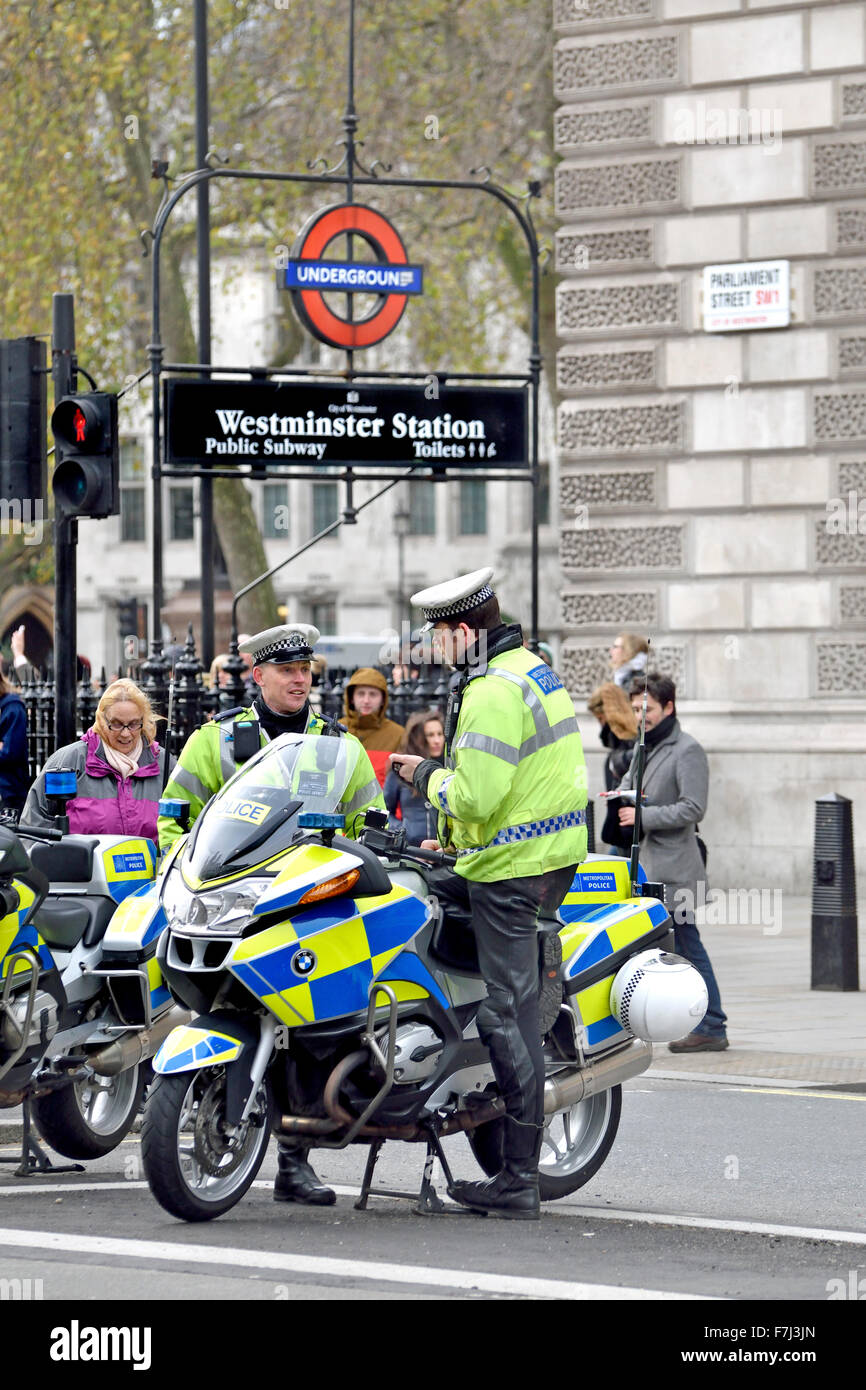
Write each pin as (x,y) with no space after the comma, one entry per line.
(254,817)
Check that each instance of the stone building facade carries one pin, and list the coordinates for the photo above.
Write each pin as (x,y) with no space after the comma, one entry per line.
(713,485)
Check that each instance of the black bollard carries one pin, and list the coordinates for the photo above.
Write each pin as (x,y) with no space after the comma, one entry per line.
(834,897)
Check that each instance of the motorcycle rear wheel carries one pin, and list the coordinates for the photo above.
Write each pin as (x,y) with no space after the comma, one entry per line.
(89,1118)
(575,1144)
(197,1166)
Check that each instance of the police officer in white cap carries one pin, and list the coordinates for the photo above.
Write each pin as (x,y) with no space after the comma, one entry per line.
(511,802)
(282,671)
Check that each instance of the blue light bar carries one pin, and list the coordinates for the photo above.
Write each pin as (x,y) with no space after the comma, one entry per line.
(61,783)
(318,820)
(172,808)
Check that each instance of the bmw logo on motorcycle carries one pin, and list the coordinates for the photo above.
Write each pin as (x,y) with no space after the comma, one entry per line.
(304,963)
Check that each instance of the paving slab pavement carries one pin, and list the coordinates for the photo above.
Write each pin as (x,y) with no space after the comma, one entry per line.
(779,1028)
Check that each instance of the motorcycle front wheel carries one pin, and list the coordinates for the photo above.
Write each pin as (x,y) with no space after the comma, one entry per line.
(575,1143)
(89,1118)
(198,1166)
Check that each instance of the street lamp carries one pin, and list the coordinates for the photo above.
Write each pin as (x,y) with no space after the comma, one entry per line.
(402,525)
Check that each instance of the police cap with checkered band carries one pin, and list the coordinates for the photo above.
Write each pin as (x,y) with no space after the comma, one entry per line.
(282,644)
(456,599)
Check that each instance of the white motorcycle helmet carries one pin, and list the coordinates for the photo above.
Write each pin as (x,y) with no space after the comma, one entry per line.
(658,997)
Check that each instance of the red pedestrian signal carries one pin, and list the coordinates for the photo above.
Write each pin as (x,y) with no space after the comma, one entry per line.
(86,458)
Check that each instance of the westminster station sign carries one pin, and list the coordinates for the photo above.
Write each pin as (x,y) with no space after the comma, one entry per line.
(267,423)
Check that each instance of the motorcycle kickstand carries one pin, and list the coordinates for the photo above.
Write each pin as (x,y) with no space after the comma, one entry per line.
(34,1161)
(366,1189)
(429,1202)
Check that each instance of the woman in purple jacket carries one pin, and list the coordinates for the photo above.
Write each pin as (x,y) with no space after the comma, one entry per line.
(119,766)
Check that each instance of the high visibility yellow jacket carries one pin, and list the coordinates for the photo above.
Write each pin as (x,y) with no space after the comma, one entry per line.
(207,762)
(512,802)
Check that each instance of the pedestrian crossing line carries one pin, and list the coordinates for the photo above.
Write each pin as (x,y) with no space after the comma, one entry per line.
(328,1267)
(559,1210)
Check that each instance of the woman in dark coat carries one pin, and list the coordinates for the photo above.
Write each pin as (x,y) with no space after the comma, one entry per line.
(14,778)
(424,736)
(612,708)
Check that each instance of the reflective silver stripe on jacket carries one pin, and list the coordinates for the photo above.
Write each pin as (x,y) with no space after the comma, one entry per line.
(181,777)
(483,743)
(531,830)
(362,797)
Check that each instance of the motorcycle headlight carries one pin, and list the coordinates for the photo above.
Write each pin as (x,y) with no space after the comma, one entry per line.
(225,910)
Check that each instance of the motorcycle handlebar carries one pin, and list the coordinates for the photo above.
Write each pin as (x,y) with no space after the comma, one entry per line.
(428,856)
(390,844)
(25,832)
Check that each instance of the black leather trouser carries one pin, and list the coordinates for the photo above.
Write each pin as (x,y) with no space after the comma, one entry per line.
(503,916)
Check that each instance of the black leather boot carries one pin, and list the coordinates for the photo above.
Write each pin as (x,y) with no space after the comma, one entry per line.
(513,1193)
(296,1180)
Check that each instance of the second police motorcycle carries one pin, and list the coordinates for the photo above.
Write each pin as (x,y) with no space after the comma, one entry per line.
(332,1000)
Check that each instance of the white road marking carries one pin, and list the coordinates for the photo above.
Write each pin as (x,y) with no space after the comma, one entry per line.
(808,1095)
(425,1276)
(698,1223)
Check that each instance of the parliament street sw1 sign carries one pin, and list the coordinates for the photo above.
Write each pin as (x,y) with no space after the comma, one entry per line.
(272,423)
(747,295)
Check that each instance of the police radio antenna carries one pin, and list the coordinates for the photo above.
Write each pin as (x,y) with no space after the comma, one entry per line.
(634,863)
(168,730)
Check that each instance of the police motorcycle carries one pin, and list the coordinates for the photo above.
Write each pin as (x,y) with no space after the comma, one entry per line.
(75,1032)
(334,1002)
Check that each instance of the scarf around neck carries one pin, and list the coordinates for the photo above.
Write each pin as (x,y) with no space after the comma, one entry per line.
(124,763)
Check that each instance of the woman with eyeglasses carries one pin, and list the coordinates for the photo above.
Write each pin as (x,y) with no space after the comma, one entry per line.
(119,766)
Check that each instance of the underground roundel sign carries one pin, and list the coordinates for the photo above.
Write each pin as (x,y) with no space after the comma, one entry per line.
(310,276)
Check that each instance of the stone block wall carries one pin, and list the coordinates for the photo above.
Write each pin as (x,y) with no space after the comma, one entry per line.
(713,486)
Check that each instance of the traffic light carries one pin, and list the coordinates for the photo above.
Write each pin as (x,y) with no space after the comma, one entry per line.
(127,617)
(23,409)
(87,456)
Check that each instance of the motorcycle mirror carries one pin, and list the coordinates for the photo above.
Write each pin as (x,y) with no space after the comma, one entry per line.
(13,855)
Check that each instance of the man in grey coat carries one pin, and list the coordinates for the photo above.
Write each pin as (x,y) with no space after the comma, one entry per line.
(673,802)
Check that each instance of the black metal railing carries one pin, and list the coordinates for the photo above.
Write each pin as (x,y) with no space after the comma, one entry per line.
(189,702)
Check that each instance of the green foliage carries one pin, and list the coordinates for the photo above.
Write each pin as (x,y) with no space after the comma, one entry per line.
(93,90)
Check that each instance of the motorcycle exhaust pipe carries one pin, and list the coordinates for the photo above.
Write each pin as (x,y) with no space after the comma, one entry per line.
(573,1087)
(125,1052)
(559,1093)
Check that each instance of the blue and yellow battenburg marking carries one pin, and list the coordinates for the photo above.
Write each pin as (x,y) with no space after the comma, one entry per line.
(188,1047)
(15,936)
(138,922)
(159,995)
(603,930)
(303,869)
(128,865)
(599,879)
(321,964)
